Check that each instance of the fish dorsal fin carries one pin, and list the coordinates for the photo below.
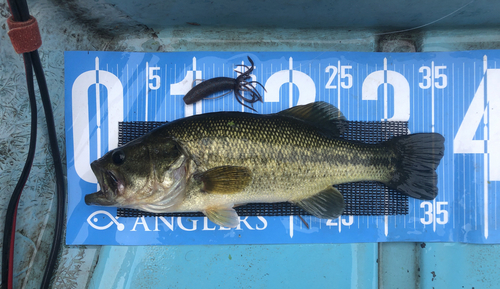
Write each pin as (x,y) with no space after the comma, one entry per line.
(316,112)
(321,114)
(327,204)
(225,179)
(223,216)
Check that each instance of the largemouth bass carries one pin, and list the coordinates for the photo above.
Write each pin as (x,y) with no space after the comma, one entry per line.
(213,162)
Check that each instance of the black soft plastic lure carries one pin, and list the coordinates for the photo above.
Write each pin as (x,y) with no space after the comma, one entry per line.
(217,84)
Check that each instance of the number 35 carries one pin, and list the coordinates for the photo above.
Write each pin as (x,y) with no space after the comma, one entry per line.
(440,216)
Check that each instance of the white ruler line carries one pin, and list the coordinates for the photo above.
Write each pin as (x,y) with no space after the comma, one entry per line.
(485,137)
(127,96)
(198,106)
(453,130)
(367,110)
(175,106)
(422,109)
(98,108)
(357,77)
(486,224)
(433,130)
(224,73)
(443,173)
(463,157)
(386,225)
(290,82)
(146,93)
(319,81)
(137,93)
(262,79)
(338,84)
(432,95)
(167,99)
(385,89)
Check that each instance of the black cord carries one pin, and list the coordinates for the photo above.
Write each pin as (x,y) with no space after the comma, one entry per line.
(23,10)
(56,156)
(14,10)
(20,12)
(12,207)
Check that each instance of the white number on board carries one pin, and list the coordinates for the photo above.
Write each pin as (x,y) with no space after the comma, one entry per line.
(440,215)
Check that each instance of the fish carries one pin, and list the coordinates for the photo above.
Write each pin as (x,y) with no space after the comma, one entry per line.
(213,162)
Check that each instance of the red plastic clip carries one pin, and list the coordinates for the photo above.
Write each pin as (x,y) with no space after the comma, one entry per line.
(25,36)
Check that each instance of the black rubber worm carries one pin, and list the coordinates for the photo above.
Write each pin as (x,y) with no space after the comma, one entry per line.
(239,85)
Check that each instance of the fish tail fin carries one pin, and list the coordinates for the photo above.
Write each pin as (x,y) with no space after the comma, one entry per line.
(418,156)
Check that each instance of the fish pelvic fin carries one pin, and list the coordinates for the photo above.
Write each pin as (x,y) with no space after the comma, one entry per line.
(326,117)
(327,204)
(223,216)
(225,179)
(418,157)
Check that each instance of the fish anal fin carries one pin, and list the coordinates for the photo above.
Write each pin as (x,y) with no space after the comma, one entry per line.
(327,204)
(225,179)
(223,216)
(323,115)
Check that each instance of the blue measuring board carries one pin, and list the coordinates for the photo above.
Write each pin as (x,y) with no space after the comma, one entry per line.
(456,94)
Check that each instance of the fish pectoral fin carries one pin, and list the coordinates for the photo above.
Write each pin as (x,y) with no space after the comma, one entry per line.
(327,204)
(225,179)
(223,216)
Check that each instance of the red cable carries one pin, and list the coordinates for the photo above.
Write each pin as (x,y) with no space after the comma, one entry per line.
(25,37)
(12,237)
(11,255)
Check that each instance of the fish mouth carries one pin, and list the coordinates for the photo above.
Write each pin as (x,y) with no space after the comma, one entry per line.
(109,183)
(99,199)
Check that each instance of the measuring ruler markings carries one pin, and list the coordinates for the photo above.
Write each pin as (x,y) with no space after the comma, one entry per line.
(436,212)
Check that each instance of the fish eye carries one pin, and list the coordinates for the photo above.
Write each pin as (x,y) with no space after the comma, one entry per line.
(118,157)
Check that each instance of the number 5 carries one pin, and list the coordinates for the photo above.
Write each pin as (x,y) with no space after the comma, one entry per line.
(438,75)
(344,74)
(440,210)
(156,78)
